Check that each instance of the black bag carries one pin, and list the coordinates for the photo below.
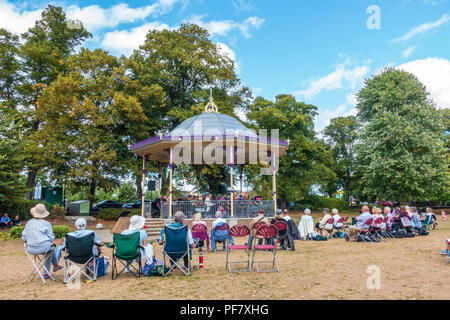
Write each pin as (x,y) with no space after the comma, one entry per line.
(410,235)
(400,234)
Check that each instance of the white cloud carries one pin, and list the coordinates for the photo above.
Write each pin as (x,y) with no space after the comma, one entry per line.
(434,73)
(94,17)
(15,20)
(125,41)
(342,77)
(324,118)
(223,27)
(407,53)
(423,28)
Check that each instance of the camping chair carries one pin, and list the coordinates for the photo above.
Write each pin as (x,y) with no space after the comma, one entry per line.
(266,231)
(330,232)
(376,228)
(200,233)
(126,248)
(238,231)
(222,237)
(38,262)
(367,228)
(428,222)
(79,251)
(281,225)
(176,248)
(342,227)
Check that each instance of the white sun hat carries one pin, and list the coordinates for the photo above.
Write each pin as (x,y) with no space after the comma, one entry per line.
(39,211)
(136,223)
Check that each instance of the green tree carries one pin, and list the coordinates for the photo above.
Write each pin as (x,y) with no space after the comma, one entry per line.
(401,148)
(88,120)
(341,135)
(307,160)
(126,192)
(43,56)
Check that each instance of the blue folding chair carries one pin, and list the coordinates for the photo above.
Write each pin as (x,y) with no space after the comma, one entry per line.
(176,249)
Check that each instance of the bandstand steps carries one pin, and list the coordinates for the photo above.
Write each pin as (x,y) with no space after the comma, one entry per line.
(153,227)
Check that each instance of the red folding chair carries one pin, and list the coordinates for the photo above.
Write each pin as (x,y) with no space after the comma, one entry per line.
(281,226)
(266,232)
(255,227)
(200,232)
(330,232)
(376,227)
(366,229)
(238,231)
(389,228)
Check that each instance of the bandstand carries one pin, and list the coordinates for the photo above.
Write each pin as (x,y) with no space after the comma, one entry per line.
(212,138)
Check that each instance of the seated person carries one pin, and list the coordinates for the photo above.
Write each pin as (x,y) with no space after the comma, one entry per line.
(404,219)
(198,220)
(306,225)
(38,234)
(260,217)
(353,231)
(219,235)
(322,224)
(80,231)
(5,221)
(279,217)
(292,228)
(16,222)
(418,223)
(445,252)
(178,223)
(137,224)
(336,217)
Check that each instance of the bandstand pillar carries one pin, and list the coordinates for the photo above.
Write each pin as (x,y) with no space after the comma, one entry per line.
(274,184)
(231,164)
(170,182)
(144,173)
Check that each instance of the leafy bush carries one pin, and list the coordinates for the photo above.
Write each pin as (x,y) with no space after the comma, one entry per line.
(58,231)
(113,214)
(58,212)
(20,208)
(315,202)
(16,232)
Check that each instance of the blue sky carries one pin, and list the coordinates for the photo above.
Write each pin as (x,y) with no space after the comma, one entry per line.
(320,51)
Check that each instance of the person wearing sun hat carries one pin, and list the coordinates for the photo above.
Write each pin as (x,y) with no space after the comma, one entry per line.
(137,224)
(38,234)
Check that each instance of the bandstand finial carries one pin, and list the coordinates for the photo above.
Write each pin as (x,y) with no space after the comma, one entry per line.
(211,106)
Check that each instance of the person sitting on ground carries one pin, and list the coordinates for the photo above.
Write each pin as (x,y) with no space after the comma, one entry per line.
(80,232)
(219,235)
(306,225)
(322,224)
(198,220)
(38,234)
(5,221)
(279,217)
(16,222)
(353,231)
(137,224)
(178,222)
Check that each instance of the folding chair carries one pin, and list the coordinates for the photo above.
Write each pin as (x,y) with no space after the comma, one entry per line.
(126,249)
(238,231)
(376,228)
(223,238)
(266,231)
(38,262)
(363,232)
(176,248)
(255,227)
(281,225)
(200,232)
(340,221)
(79,251)
(330,232)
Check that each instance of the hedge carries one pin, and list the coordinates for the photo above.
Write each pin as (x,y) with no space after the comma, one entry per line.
(58,231)
(20,208)
(113,214)
(315,202)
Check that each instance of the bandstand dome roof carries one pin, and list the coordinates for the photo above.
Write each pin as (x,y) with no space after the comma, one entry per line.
(207,127)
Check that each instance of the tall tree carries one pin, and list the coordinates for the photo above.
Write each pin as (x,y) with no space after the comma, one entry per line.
(43,56)
(307,161)
(88,120)
(341,135)
(401,148)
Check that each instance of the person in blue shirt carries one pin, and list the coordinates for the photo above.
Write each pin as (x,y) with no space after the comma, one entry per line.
(5,221)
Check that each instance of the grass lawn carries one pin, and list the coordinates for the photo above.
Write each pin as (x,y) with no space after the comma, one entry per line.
(410,269)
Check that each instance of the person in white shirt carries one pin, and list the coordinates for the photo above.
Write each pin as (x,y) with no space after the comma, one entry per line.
(323,225)
(306,225)
(336,218)
(218,220)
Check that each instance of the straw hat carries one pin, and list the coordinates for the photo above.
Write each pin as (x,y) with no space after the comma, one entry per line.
(136,223)
(39,211)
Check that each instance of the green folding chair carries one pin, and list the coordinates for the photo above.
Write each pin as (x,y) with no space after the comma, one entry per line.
(176,248)
(79,251)
(126,250)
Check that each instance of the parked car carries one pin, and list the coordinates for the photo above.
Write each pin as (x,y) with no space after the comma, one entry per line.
(387,203)
(134,205)
(107,204)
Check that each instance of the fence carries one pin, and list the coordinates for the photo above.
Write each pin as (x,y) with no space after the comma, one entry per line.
(208,209)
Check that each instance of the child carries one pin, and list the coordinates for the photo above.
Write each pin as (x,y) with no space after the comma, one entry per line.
(5,221)
(445,251)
